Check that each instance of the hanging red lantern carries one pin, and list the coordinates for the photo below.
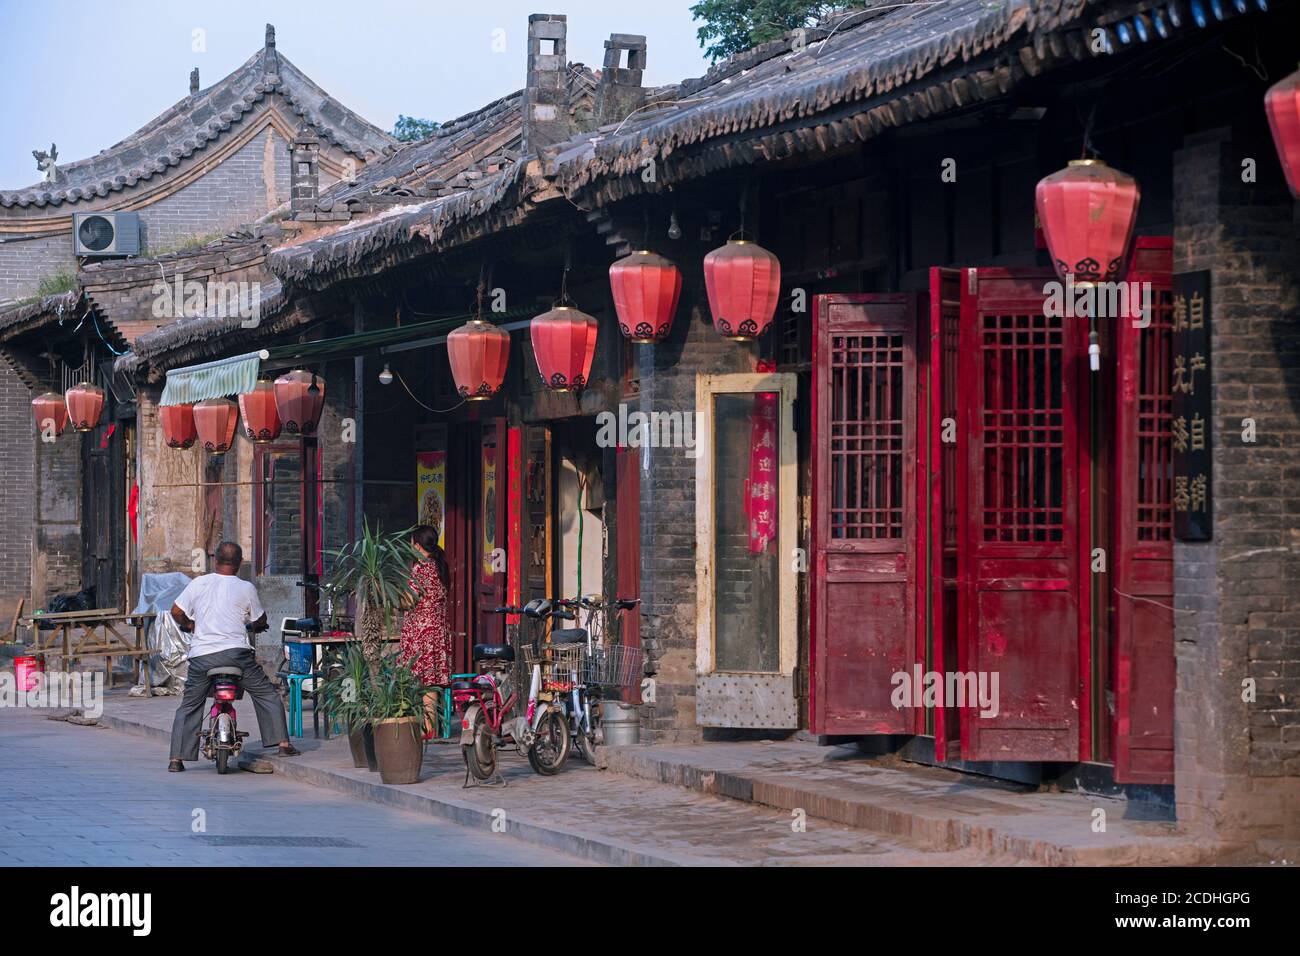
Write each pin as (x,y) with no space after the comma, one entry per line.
(257,409)
(299,399)
(50,407)
(564,341)
(1282,103)
(214,420)
(1087,211)
(478,352)
(85,405)
(743,281)
(178,425)
(646,287)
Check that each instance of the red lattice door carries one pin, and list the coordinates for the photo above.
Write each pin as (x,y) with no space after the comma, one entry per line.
(1143,584)
(864,506)
(1022,600)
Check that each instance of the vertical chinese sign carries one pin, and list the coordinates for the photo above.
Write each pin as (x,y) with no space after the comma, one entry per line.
(1190,384)
(431,486)
(761,488)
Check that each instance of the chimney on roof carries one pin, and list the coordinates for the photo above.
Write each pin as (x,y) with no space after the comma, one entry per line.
(304,176)
(546,95)
(619,91)
(194,81)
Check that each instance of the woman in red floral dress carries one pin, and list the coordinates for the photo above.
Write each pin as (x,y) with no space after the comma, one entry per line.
(426,640)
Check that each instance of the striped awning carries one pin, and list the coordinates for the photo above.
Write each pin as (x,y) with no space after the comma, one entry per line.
(228,376)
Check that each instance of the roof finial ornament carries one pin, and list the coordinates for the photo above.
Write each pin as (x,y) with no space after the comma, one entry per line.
(194,81)
(270,62)
(45,163)
(270,37)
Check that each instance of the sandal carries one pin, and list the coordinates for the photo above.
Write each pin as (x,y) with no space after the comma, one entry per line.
(175,765)
(289,751)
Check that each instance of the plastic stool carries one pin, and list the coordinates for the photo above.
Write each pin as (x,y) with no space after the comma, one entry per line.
(295,702)
(445,709)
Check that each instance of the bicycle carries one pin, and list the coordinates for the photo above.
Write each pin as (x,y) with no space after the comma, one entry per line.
(607,665)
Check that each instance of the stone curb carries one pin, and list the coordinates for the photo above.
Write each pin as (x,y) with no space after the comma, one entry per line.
(935,831)
(585,846)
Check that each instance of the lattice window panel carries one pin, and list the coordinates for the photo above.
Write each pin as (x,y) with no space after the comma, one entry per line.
(1023,425)
(1155,474)
(950,332)
(866,436)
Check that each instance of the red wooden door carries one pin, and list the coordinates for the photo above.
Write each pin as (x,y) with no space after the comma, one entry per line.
(942,461)
(1143,579)
(864,507)
(1022,601)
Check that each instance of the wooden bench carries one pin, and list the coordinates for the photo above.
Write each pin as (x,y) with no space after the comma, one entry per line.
(101,632)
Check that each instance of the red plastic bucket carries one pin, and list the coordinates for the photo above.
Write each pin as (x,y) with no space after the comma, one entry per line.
(25,671)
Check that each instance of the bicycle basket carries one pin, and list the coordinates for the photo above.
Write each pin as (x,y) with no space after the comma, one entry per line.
(560,664)
(613,666)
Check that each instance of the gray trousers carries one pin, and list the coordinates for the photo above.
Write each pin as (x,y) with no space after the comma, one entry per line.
(194,701)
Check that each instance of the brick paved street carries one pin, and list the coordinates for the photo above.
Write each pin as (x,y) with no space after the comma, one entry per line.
(73,796)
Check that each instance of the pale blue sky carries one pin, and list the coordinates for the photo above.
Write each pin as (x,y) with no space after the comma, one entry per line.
(87,74)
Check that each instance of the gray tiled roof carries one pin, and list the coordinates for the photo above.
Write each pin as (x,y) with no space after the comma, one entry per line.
(203,118)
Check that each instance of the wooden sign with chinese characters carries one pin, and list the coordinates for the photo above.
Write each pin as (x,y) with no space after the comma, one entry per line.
(1190,385)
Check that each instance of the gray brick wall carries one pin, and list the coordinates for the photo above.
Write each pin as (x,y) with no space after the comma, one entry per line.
(667,373)
(17,469)
(24,263)
(1237,762)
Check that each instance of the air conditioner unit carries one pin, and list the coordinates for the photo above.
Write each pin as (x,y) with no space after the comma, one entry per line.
(106,233)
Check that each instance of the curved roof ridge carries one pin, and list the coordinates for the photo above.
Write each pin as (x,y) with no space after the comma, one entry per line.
(201,118)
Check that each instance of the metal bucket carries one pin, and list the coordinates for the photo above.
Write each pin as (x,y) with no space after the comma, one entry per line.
(621,723)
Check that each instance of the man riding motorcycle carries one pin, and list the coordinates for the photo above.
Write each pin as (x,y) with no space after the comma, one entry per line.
(221,608)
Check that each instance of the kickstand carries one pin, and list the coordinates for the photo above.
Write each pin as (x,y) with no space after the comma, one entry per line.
(496,780)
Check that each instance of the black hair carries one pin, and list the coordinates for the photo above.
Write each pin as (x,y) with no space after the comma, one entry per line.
(427,538)
(229,555)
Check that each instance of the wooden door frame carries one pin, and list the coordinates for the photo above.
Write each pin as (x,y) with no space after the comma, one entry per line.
(706,386)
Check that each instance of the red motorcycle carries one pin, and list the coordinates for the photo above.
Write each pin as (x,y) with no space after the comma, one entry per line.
(223,739)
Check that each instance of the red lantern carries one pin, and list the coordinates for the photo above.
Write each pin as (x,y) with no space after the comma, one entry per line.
(85,405)
(257,408)
(299,398)
(178,425)
(743,281)
(214,420)
(1087,211)
(478,352)
(50,407)
(646,287)
(1282,103)
(564,341)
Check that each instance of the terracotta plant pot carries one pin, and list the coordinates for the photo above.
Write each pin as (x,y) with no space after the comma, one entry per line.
(368,746)
(357,744)
(399,749)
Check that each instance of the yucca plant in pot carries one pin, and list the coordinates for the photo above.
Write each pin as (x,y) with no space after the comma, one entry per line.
(398,720)
(344,696)
(376,571)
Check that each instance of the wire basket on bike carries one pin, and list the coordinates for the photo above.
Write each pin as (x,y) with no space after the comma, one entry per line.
(616,665)
(560,663)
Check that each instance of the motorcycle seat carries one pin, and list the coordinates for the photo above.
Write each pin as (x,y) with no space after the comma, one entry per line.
(494,652)
(462,685)
(569,635)
(225,672)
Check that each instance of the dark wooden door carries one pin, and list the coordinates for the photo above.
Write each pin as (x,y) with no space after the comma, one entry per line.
(1023,602)
(864,506)
(103,485)
(1143,578)
(945,444)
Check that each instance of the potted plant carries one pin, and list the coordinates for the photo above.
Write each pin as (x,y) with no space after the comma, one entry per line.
(344,697)
(398,719)
(376,570)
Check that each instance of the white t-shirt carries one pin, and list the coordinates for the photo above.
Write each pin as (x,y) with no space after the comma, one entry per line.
(219,605)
